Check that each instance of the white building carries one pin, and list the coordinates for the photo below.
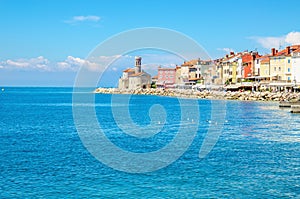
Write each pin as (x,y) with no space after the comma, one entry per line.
(257,66)
(135,78)
(296,66)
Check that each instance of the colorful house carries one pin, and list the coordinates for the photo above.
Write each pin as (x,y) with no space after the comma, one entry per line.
(296,66)
(166,77)
(280,65)
(178,79)
(188,71)
(248,64)
(265,66)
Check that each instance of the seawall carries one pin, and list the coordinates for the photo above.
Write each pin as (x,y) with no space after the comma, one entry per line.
(245,96)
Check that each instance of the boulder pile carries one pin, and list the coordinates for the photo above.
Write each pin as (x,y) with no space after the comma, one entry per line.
(245,96)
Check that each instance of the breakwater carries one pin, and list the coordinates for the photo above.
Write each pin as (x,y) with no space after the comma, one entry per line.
(225,95)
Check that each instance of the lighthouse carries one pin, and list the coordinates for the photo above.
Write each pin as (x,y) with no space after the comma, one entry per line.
(138,63)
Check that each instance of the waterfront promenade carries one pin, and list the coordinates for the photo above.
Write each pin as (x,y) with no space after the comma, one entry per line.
(224,95)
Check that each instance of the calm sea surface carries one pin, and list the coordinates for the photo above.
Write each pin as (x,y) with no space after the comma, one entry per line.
(42,156)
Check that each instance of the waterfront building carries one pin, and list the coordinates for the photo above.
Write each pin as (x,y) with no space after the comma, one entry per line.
(187,72)
(178,79)
(256,69)
(229,68)
(135,78)
(248,60)
(219,72)
(281,73)
(265,67)
(280,65)
(206,71)
(166,77)
(239,70)
(296,67)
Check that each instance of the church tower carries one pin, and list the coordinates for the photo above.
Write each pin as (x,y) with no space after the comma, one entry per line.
(138,63)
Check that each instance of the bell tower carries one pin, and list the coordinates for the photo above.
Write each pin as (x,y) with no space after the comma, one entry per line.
(138,64)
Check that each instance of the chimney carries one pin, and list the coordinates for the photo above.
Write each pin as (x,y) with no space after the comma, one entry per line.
(231,53)
(273,51)
(288,49)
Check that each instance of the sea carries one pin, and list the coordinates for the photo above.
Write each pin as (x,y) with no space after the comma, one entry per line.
(256,153)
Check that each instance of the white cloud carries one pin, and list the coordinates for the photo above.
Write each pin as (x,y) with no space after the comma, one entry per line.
(291,38)
(115,63)
(227,50)
(94,64)
(38,63)
(71,63)
(78,19)
(19,64)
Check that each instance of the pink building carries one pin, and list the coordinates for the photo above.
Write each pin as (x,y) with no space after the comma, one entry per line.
(166,77)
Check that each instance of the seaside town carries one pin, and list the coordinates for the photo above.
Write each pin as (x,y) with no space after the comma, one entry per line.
(277,71)
(271,77)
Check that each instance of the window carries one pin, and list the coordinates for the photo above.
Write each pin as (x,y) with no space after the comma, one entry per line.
(279,69)
(274,68)
(289,61)
(289,70)
(289,78)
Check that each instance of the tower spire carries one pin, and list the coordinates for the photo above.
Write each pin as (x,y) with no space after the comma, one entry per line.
(138,63)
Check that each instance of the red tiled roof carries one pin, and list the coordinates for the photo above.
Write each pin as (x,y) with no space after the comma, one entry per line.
(166,69)
(137,74)
(285,51)
(295,47)
(265,59)
(155,77)
(128,70)
(282,53)
(297,50)
(190,63)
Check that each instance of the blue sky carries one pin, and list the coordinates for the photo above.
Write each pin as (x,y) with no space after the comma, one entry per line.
(42,43)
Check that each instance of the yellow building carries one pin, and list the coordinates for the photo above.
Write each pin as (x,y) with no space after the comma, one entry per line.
(178,75)
(280,66)
(265,66)
(229,66)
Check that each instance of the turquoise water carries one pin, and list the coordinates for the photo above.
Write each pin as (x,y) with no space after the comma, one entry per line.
(42,156)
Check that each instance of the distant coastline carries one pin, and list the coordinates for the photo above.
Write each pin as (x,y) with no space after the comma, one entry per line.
(221,95)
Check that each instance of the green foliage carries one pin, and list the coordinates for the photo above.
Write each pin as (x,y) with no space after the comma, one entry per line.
(247,80)
(153,85)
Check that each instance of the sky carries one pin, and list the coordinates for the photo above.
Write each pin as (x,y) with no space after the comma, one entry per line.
(44,43)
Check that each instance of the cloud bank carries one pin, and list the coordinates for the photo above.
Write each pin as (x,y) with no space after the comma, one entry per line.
(71,64)
(291,38)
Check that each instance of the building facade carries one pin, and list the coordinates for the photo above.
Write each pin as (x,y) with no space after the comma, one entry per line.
(280,65)
(296,67)
(166,77)
(135,78)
